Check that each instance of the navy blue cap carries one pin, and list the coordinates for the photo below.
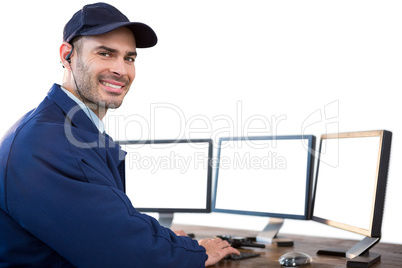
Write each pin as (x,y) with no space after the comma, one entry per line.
(100,18)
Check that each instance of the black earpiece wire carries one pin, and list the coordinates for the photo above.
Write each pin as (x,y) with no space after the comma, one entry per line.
(68,59)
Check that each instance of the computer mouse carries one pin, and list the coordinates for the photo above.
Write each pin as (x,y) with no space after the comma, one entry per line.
(295,258)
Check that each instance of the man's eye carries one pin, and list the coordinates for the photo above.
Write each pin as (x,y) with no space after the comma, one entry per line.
(105,54)
(130,59)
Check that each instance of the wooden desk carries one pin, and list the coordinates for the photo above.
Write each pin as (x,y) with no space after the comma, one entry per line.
(391,254)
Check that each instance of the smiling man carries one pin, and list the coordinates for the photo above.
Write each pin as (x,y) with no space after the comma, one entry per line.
(62,200)
(103,70)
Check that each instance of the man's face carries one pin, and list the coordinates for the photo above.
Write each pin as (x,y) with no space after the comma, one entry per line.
(104,68)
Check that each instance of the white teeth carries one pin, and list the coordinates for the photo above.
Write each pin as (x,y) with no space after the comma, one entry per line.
(111,85)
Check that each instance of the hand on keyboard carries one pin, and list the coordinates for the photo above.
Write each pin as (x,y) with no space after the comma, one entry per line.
(216,249)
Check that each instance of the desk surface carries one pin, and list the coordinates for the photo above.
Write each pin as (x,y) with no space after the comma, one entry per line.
(391,254)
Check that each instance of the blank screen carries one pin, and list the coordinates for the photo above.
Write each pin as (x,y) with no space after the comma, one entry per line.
(168,175)
(263,177)
(346,180)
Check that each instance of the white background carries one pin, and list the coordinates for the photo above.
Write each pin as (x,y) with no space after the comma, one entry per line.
(233,68)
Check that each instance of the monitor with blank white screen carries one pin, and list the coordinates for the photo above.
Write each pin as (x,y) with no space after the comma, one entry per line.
(169,176)
(268,176)
(350,186)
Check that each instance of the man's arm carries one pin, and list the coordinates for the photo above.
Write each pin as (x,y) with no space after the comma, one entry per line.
(51,194)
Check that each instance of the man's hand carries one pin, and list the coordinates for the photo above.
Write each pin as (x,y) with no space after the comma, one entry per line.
(216,249)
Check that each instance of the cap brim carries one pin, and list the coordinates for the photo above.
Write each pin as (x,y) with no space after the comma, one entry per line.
(143,34)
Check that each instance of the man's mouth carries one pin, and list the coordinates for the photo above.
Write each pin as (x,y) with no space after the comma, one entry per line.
(115,87)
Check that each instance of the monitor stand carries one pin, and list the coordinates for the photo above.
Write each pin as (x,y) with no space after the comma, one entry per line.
(165,219)
(358,255)
(269,233)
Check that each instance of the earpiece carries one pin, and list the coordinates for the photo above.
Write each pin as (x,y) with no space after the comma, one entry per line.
(68,57)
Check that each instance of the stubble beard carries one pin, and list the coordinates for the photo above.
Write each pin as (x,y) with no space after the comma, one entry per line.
(88,90)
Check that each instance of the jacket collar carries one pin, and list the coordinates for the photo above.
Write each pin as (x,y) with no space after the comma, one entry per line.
(72,110)
(81,120)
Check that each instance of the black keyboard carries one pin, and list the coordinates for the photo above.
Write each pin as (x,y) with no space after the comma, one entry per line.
(243,255)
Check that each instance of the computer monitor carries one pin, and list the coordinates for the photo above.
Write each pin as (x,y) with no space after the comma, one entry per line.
(350,186)
(169,176)
(268,176)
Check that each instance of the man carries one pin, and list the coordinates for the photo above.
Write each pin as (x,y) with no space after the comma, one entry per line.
(62,200)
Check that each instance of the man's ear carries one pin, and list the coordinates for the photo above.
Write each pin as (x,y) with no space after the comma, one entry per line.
(66,52)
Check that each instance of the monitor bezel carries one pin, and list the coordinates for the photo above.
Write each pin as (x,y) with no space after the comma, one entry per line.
(381,182)
(309,176)
(208,203)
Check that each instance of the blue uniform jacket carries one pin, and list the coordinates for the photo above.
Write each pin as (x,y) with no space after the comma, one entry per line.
(62,200)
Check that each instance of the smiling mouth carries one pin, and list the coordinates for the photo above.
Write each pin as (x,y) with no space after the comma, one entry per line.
(115,87)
